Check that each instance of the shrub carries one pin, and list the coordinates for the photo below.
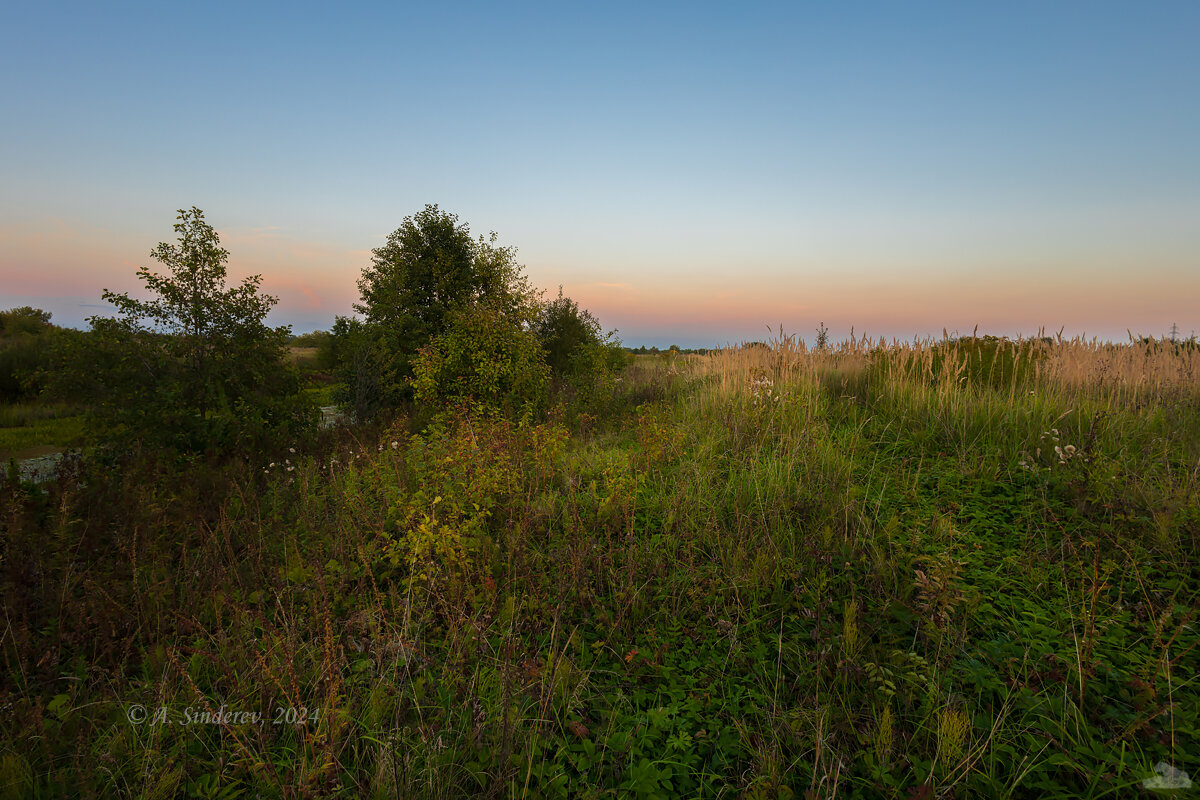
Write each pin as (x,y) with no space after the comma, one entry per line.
(485,356)
(579,355)
(563,328)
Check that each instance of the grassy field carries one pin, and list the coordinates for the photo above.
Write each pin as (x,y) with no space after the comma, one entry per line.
(30,429)
(908,571)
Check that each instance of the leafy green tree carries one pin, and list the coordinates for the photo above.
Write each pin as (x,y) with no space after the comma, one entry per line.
(26,340)
(429,270)
(196,367)
(23,320)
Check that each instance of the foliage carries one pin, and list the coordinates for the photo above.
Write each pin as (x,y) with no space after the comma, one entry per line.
(462,471)
(856,588)
(594,372)
(193,369)
(357,353)
(23,321)
(316,339)
(822,341)
(582,359)
(26,339)
(429,270)
(485,356)
(563,329)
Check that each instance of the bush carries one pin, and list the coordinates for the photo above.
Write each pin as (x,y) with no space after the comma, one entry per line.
(563,328)
(488,357)
(582,359)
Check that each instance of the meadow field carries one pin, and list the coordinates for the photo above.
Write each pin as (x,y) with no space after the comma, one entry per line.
(927,570)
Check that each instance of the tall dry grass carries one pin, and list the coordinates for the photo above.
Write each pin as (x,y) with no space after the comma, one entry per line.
(1120,373)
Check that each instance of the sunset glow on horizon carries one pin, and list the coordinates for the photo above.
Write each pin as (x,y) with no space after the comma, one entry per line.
(692,175)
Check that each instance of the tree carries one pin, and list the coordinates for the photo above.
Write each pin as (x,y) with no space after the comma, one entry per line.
(23,320)
(196,367)
(26,339)
(563,328)
(429,270)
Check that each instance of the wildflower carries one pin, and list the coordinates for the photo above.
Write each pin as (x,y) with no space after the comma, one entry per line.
(395,445)
(271,465)
(290,468)
(291,450)
(1069,450)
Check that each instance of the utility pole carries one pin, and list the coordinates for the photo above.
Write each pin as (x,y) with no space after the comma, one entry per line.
(1174,332)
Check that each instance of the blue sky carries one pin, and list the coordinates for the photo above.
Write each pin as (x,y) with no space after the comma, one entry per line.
(693,173)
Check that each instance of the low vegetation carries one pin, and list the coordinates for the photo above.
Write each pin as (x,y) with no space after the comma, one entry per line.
(867,570)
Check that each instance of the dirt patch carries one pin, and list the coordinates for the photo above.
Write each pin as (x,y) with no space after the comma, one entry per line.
(29,452)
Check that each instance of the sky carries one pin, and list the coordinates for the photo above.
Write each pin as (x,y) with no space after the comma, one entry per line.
(693,173)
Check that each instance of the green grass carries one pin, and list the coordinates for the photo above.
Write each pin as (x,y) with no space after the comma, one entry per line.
(16,415)
(34,432)
(840,587)
(323,394)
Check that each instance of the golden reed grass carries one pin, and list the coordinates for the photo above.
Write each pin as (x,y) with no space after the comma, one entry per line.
(1121,372)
